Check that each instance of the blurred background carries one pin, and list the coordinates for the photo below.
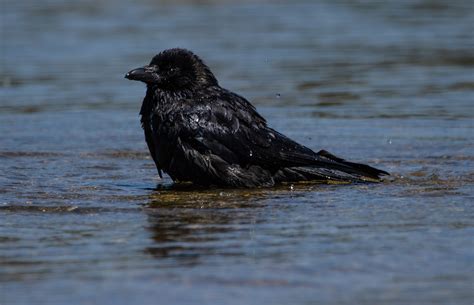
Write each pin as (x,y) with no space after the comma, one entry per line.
(84,218)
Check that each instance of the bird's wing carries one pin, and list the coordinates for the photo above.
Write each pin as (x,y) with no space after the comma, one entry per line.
(230,127)
(151,145)
(145,122)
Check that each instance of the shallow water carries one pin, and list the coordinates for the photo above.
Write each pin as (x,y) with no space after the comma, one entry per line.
(84,219)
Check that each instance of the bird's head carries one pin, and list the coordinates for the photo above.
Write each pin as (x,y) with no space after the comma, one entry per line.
(174,69)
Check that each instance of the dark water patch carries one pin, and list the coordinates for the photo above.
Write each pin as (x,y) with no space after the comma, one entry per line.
(452,157)
(385,93)
(126,154)
(441,58)
(30,154)
(32,109)
(426,11)
(105,167)
(424,182)
(261,282)
(461,86)
(405,226)
(106,194)
(31,105)
(328,99)
(13,81)
(55,209)
(434,159)
(399,57)
(383,227)
(431,6)
(309,85)
(186,255)
(8,239)
(394,116)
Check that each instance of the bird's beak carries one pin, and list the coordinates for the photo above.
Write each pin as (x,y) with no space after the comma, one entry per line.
(146,74)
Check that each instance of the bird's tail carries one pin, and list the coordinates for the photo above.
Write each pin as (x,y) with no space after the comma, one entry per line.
(358,169)
(332,169)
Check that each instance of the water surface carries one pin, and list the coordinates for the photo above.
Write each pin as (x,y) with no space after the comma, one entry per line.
(84,219)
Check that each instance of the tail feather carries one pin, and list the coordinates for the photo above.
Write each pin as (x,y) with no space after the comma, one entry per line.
(335,170)
(356,168)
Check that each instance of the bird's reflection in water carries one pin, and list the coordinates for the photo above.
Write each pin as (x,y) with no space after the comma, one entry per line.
(188,223)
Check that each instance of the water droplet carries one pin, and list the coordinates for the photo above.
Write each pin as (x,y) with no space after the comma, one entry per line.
(292,187)
(278,95)
(251,154)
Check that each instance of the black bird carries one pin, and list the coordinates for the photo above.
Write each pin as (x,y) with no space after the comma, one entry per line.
(199,132)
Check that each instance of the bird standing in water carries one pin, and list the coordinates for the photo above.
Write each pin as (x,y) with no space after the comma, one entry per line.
(200,132)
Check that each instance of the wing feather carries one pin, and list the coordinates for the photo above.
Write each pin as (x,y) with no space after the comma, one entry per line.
(232,129)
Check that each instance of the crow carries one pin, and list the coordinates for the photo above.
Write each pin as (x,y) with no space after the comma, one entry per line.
(199,132)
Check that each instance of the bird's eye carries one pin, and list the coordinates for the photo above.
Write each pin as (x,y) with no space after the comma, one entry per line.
(174,70)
